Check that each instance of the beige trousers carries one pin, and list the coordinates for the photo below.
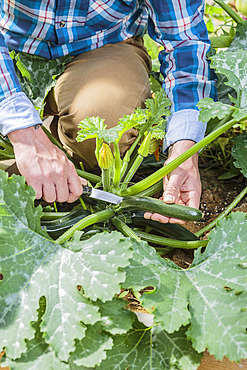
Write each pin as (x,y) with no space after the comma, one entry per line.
(108,82)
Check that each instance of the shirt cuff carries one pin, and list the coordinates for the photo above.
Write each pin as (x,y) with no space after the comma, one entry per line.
(184,125)
(17,112)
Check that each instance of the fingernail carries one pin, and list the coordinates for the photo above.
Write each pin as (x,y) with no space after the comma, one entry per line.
(169,198)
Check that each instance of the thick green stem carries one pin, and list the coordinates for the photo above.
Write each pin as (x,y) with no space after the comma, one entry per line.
(155,188)
(89,176)
(106,179)
(97,148)
(229,11)
(117,167)
(127,156)
(161,240)
(100,216)
(124,229)
(162,172)
(223,214)
(132,170)
(83,204)
(124,167)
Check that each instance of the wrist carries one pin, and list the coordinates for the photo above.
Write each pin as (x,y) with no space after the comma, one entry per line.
(179,148)
(26,135)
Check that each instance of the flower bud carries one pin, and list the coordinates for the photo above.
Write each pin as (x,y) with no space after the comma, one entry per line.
(154,144)
(106,158)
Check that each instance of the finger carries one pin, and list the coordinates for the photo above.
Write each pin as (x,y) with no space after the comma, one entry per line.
(38,190)
(75,188)
(176,221)
(62,191)
(159,218)
(147,215)
(49,192)
(193,199)
(83,181)
(36,185)
(173,187)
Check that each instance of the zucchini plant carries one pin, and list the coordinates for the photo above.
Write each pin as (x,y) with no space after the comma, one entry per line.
(63,280)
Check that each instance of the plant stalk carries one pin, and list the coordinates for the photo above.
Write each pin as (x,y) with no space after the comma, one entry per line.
(127,156)
(89,176)
(124,229)
(162,172)
(161,240)
(132,170)
(117,166)
(223,214)
(100,216)
(155,188)
(229,11)
(106,179)
(97,148)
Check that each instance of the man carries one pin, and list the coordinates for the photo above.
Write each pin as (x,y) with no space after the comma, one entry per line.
(107,77)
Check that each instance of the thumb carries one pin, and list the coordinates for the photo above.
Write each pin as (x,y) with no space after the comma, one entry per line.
(172,189)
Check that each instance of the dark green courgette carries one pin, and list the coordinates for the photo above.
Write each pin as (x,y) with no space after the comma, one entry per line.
(135,202)
(57,227)
(174,231)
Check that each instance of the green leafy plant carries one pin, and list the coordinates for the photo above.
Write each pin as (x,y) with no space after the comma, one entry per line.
(61,302)
(71,286)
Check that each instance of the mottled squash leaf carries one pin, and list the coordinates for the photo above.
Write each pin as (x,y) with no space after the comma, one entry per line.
(37,75)
(239,153)
(32,265)
(210,295)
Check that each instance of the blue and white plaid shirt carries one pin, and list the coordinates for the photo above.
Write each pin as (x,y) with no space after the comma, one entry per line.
(53,28)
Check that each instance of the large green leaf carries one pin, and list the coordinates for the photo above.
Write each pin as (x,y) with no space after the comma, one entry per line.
(240,39)
(101,257)
(37,346)
(211,294)
(92,127)
(114,318)
(239,153)
(217,110)
(238,43)
(47,361)
(91,350)
(211,109)
(37,75)
(234,66)
(38,354)
(158,107)
(32,266)
(151,349)
(143,119)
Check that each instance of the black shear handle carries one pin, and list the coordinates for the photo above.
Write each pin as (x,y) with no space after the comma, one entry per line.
(86,190)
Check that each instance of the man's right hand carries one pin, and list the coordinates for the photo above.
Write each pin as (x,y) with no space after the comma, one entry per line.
(45,167)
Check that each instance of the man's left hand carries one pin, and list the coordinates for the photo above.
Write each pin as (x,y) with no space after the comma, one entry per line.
(182,185)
